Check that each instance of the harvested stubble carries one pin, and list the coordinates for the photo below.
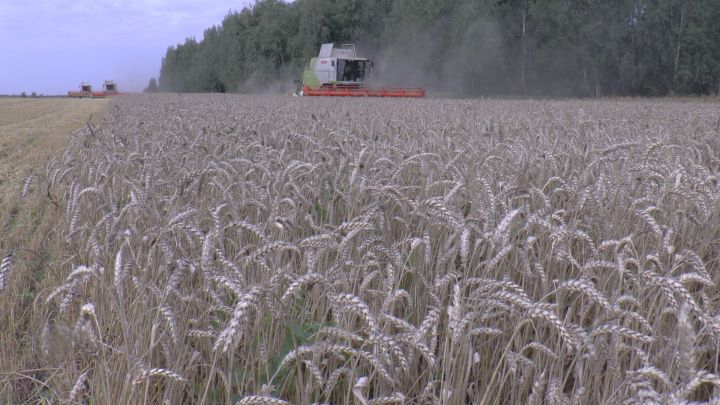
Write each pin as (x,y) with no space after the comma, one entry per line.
(264,250)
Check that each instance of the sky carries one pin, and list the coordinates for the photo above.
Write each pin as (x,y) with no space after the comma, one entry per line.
(49,47)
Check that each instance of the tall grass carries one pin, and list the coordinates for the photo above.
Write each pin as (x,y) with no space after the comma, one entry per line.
(265,250)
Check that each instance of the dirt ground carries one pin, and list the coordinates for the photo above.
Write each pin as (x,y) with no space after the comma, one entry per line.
(32,129)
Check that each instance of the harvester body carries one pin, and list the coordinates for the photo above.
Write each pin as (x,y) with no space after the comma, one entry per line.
(85,91)
(338,71)
(110,88)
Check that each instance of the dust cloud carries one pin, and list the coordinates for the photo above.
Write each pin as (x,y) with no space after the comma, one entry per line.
(280,82)
(476,62)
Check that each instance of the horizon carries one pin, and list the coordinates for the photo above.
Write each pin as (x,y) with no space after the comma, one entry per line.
(51,47)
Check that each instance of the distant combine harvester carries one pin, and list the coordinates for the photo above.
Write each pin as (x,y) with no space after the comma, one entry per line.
(109,89)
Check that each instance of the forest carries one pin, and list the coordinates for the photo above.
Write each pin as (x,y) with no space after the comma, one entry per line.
(525,48)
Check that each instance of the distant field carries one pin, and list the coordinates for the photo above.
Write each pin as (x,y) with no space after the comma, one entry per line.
(30,129)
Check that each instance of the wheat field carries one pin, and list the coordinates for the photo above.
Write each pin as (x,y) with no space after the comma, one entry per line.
(267,250)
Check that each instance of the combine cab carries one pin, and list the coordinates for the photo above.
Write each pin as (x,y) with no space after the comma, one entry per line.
(339,72)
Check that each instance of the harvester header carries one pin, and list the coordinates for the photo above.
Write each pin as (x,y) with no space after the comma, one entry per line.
(337,71)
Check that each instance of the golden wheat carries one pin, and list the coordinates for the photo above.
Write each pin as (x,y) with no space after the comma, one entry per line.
(387,251)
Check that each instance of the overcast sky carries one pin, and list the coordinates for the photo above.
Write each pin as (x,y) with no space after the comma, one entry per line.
(49,47)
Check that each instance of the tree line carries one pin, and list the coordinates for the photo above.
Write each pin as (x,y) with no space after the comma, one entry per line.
(584,48)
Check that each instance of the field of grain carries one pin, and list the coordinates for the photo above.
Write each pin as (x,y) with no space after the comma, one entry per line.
(31,130)
(268,250)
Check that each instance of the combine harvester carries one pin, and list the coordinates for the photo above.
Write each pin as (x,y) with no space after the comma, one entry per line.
(109,89)
(85,91)
(338,72)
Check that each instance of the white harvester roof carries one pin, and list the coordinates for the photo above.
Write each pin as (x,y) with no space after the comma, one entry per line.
(343,51)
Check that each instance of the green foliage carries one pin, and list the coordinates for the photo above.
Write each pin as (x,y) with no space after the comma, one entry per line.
(152,86)
(321,213)
(296,334)
(472,47)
